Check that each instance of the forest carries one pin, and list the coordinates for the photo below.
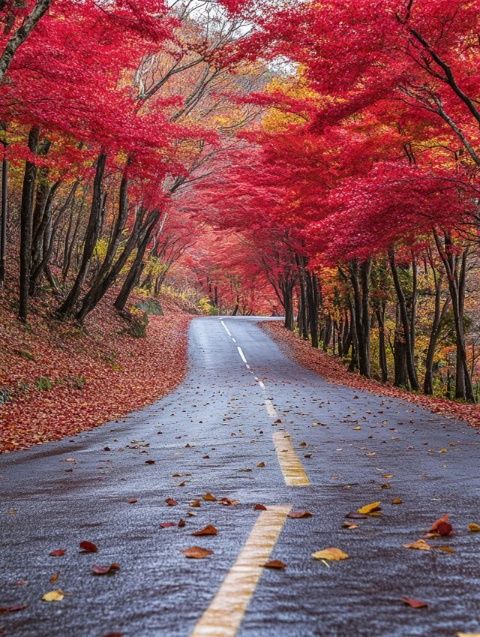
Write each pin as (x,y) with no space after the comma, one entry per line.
(314,160)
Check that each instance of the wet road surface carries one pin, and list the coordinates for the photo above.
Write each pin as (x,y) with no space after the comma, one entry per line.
(251,425)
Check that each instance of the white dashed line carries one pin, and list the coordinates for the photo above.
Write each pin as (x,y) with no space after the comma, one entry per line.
(262,385)
(242,355)
(271,411)
(226,328)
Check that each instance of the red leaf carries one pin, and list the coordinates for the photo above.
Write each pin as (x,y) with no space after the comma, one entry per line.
(414,603)
(88,547)
(171,502)
(259,507)
(167,525)
(57,553)
(98,569)
(442,526)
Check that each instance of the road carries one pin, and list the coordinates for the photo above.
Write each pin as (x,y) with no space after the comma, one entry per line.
(247,424)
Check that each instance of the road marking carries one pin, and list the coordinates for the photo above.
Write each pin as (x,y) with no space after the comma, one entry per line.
(242,355)
(227,610)
(226,328)
(262,385)
(271,411)
(234,339)
(293,472)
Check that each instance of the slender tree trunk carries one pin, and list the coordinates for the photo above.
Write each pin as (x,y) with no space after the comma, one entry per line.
(91,237)
(4,223)
(359,277)
(26,225)
(456,284)
(382,348)
(438,317)
(21,34)
(402,305)
(135,271)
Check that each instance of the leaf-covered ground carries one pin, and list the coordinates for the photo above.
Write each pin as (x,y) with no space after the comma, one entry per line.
(334,371)
(57,380)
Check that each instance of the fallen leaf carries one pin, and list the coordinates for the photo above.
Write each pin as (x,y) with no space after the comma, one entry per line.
(181,523)
(275,564)
(53,596)
(445,549)
(54,578)
(208,530)
(261,465)
(368,509)
(132,501)
(171,502)
(259,507)
(149,461)
(419,545)
(331,554)
(349,525)
(197,552)
(209,497)
(228,502)
(414,603)
(88,547)
(57,553)
(99,569)
(397,501)
(12,609)
(474,528)
(299,514)
(195,504)
(442,527)
(167,525)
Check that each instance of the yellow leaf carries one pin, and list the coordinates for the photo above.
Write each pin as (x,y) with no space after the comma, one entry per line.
(370,508)
(474,528)
(53,596)
(357,428)
(419,545)
(331,554)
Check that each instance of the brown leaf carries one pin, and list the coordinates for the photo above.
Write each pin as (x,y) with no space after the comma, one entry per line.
(474,528)
(88,547)
(261,465)
(171,502)
(228,502)
(445,549)
(12,609)
(149,461)
(57,553)
(181,523)
(296,515)
(414,603)
(275,564)
(54,578)
(209,497)
(259,507)
(208,530)
(397,501)
(132,501)
(98,569)
(197,553)
(349,525)
(195,504)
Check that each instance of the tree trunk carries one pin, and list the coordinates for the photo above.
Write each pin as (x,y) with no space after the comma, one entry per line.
(456,285)
(136,269)
(90,240)
(26,225)
(402,305)
(359,277)
(382,348)
(4,223)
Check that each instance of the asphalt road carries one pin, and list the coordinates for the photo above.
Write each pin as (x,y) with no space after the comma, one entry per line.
(210,436)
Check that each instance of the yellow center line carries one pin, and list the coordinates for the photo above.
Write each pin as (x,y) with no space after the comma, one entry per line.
(293,472)
(226,612)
